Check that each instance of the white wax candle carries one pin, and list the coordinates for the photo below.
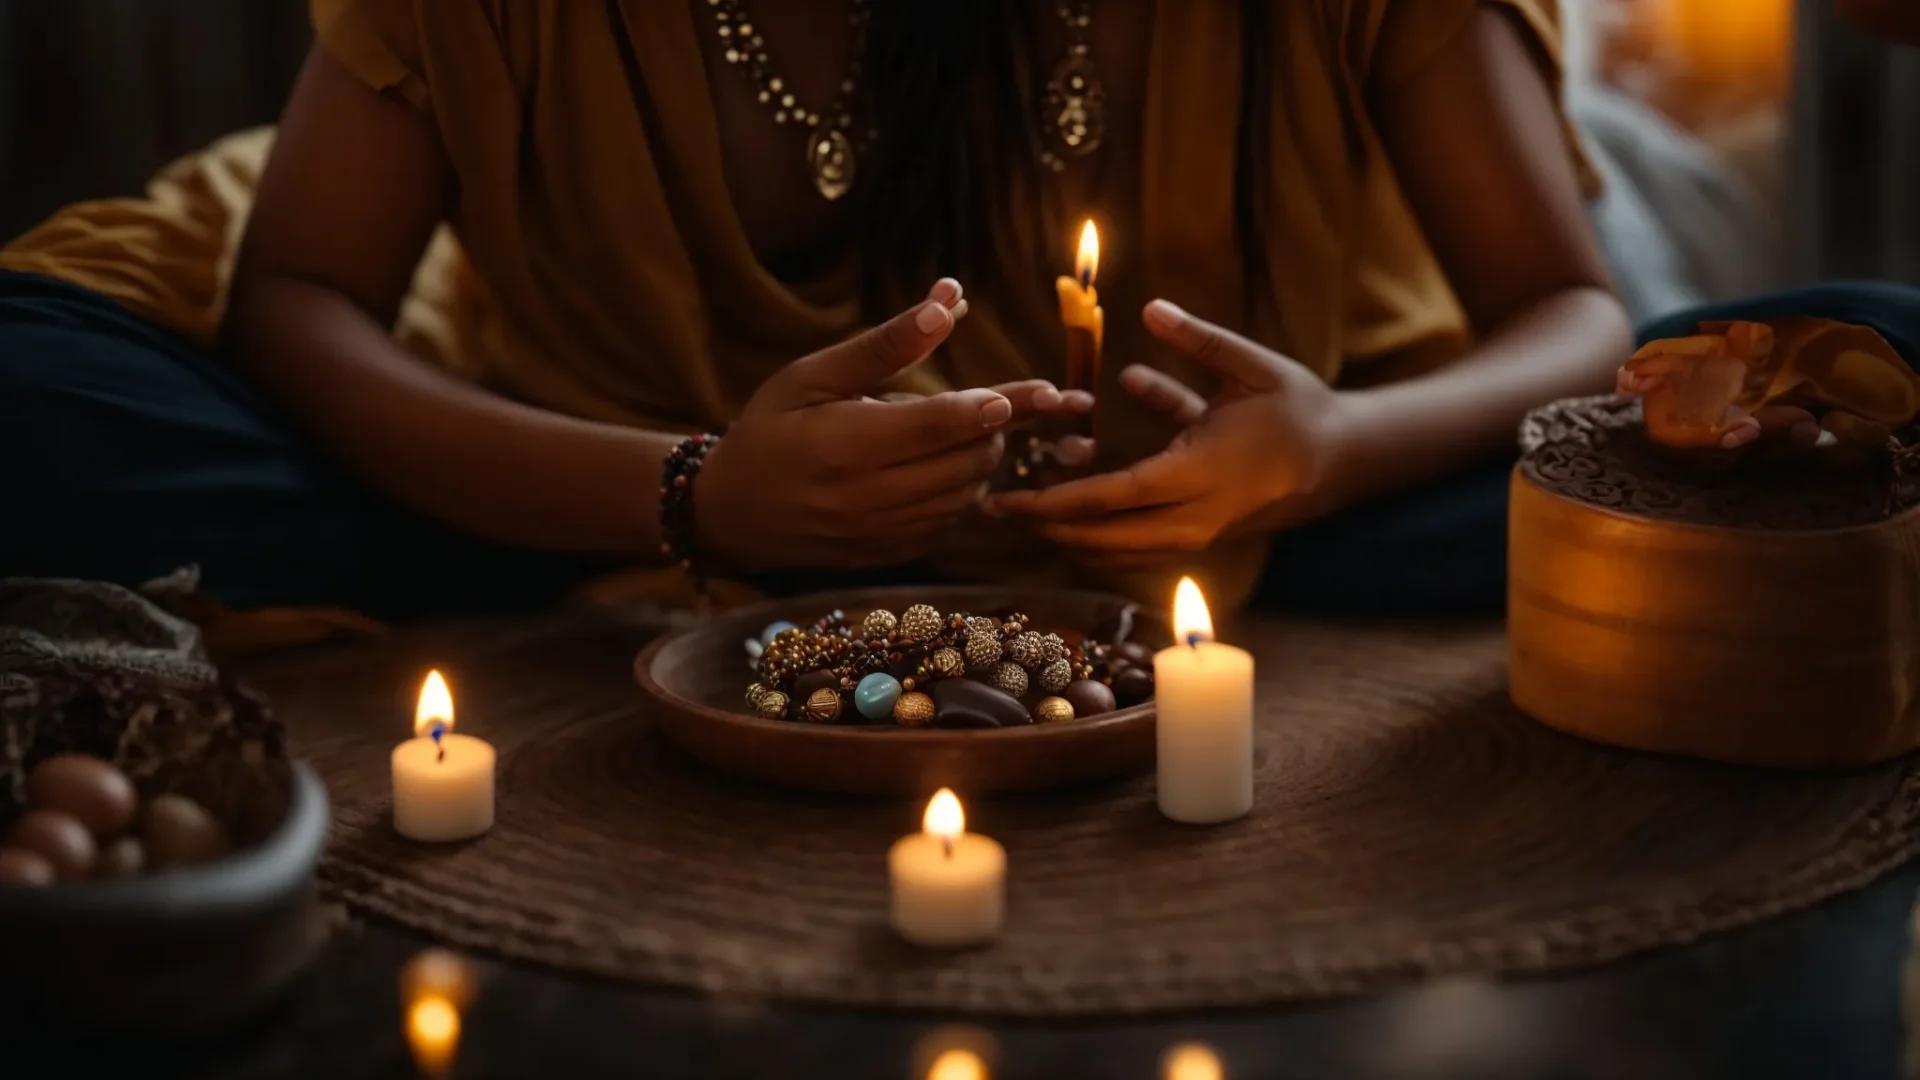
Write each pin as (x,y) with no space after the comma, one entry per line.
(442,787)
(949,885)
(1203,702)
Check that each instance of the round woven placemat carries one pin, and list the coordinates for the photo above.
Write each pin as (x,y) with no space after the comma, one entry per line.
(1408,822)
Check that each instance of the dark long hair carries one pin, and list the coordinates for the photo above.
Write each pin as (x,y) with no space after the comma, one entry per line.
(955,102)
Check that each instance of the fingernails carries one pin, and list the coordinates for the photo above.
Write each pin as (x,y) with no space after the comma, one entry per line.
(945,291)
(1133,377)
(1163,315)
(932,317)
(1047,398)
(960,310)
(996,412)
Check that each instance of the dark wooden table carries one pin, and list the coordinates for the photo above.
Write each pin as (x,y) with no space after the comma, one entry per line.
(1812,995)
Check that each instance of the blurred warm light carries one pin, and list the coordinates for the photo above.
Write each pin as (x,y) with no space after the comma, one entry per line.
(1190,615)
(438,973)
(1192,1061)
(944,817)
(433,1034)
(436,704)
(1737,41)
(957,1064)
(1087,263)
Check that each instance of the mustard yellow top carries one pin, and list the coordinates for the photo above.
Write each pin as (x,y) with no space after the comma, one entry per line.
(594,265)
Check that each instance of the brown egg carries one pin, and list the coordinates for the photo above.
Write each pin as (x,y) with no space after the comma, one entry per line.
(124,858)
(18,866)
(88,788)
(58,838)
(180,833)
(1133,652)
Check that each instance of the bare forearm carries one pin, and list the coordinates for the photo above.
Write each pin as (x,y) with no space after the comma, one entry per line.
(484,464)
(1404,434)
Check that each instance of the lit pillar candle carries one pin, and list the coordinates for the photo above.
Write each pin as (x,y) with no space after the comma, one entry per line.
(1081,314)
(949,885)
(1203,701)
(442,782)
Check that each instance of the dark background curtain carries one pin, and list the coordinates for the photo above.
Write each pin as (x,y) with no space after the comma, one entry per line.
(95,95)
(1854,164)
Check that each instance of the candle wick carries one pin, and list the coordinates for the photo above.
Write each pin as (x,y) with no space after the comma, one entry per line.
(946,845)
(1194,638)
(1086,278)
(439,730)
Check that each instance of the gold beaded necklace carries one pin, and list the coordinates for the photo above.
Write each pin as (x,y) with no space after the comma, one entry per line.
(1073,112)
(833,148)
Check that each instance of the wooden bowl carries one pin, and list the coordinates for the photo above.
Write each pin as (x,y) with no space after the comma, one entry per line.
(183,954)
(1764,647)
(697,679)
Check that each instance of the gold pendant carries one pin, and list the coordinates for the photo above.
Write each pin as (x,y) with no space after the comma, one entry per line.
(830,154)
(1076,105)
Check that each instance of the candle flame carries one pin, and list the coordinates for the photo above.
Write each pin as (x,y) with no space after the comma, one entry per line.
(433,1034)
(1087,263)
(945,818)
(436,705)
(957,1065)
(1192,1061)
(1191,621)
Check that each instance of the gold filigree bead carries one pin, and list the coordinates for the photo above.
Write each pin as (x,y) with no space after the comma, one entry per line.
(1052,648)
(983,650)
(879,625)
(1053,678)
(1053,710)
(947,664)
(756,691)
(921,622)
(1008,678)
(772,705)
(823,706)
(1026,650)
(914,709)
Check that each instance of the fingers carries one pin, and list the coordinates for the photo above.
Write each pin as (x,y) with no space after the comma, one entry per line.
(1164,478)
(1741,432)
(1790,422)
(863,362)
(1038,397)
(1222,350)
(1073,451)
(1164,394)
(936,475)
(891,432)
(1176,529)
(1629,381)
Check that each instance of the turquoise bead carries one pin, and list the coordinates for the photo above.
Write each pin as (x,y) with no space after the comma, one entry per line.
(773,631)
(875,695)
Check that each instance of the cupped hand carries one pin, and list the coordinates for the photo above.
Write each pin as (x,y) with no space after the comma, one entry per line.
(818,473)
(1270,439)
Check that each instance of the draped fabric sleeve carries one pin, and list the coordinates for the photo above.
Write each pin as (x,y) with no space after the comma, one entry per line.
(378,42)
(1411,33)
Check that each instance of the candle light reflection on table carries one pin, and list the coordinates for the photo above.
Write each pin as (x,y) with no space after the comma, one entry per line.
(1192,1061)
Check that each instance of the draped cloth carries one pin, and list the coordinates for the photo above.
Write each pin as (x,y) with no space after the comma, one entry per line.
(593,262)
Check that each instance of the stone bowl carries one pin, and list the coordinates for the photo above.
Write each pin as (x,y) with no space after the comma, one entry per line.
(182,954)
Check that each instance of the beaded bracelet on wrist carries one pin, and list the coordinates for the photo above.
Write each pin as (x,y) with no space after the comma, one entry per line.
(677,474)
